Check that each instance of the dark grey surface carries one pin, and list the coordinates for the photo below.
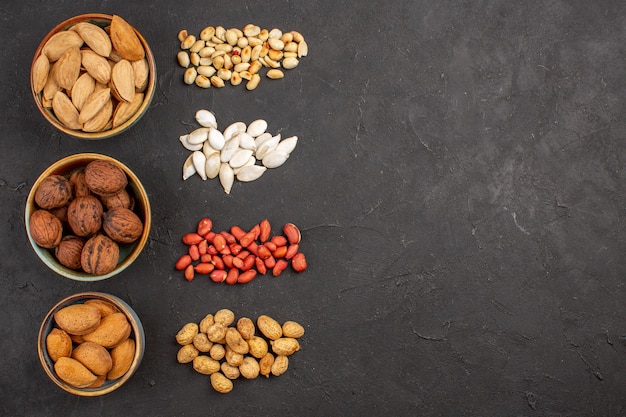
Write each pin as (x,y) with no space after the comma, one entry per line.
(459,181)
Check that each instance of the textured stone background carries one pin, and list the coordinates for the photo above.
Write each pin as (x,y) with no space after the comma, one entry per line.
(459,182)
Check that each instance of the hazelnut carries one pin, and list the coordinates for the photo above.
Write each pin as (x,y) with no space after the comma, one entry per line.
(105,178)
(45,229)
(84,215)
(53,191)
(69,250)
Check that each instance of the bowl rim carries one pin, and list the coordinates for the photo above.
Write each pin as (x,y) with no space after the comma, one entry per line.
(137,331)
(148,94)
(135,247)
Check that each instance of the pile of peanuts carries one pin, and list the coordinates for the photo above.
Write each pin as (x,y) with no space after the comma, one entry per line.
(220,55)
(238,256)
(226,350)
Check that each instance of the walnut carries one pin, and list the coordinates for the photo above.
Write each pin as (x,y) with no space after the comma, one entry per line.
(84,215)
(100,255)
(53,191)
(45,229)
(77,179)
(105,178)
(121,199)
(122,225)
(69,250)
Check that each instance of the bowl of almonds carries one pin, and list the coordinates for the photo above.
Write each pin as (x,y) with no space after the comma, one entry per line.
(87,217)
(90,343)
(93,76)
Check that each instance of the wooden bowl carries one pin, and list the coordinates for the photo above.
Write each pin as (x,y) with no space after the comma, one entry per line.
(101,20)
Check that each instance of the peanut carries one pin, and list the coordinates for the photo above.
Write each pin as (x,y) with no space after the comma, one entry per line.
(220,383)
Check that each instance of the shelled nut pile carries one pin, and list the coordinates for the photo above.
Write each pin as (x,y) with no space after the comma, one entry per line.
(232,55)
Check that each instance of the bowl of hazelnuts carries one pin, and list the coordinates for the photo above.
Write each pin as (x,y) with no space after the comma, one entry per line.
(87,217)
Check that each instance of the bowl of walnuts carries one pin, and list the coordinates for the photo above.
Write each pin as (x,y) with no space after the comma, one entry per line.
(90,343)
(87,217)
(93,76)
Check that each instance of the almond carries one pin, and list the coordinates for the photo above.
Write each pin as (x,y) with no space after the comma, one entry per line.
(123,80)
(95,37)
(122,356)
(94,104)
(74,372)
(95,357)
(141,71)
(125,110)
(68,68)
(78,319)
(51,87)
(65,111)
(41,68)
(112,331)
(100,121)
(125,39)
(60,42)
(96,65)
(82,89)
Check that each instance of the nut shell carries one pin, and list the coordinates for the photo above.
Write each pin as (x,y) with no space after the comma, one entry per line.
(121,199)
(78,319)
(46,229)
(53,191)
(77,179)
(74,372)
(122,356)
(69,250)
(122,225)
(58,344)
(94,356)
(105,178)
(84,215)
(100,255)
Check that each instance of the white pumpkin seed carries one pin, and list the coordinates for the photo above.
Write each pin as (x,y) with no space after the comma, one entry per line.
(208,150)
(229,149)
(256,128)
(184,139)
(251,161)
(240,157)
(274,159)
(199,163)
(267,147)
(198,136)
(216,139)
(227,177)
(250,173)
(287,145)
(246,141)
(258,141)
(206,118)
(233,129)
(212,166)
(188,168)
